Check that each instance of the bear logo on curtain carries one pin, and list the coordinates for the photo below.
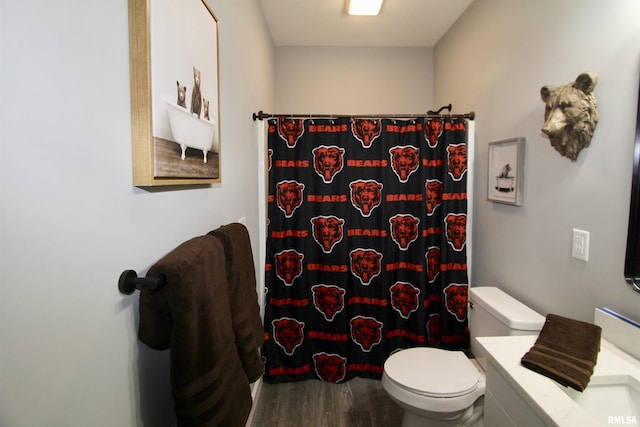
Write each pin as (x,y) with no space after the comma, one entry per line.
(328,299)
(404,298)
(404,161)
(327,231)
(366,332)
(290,130)
(456,300)
(330,367)
(456,225)
(366,195)
(366,131)
(457,160)
(433,263)
(328,161)
(404,230)
(432,132)
(365,264)
(288,334)
(289,266)
(289,196)
(434,195)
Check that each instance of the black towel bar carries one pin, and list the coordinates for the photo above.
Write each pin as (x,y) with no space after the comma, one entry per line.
(129,282)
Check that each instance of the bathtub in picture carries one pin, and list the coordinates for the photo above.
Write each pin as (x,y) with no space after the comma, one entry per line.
(505,184)
(190,131)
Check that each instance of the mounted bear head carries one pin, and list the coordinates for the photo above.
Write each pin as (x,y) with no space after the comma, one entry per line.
(571,115)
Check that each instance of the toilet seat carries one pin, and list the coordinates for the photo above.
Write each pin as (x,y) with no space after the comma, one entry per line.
(432,372)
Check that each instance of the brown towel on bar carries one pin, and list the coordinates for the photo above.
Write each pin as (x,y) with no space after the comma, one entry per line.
(191,316)
(245,310)
(566,350)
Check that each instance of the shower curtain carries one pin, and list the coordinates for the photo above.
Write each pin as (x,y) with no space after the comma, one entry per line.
(366,243)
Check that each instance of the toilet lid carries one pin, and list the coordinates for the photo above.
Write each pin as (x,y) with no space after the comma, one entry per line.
(432,372)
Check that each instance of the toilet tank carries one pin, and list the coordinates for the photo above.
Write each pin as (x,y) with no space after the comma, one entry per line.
(492,312)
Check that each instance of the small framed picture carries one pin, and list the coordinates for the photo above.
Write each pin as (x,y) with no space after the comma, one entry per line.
(506,171)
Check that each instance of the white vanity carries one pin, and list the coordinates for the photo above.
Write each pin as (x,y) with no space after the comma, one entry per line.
(517,396)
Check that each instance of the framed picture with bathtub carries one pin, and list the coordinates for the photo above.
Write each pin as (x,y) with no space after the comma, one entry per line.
(175,106)
(506,171)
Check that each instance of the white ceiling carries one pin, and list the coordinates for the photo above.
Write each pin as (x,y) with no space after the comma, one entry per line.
(404,23)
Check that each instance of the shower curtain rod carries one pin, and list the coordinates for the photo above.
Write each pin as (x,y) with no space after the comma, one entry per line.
(260,115)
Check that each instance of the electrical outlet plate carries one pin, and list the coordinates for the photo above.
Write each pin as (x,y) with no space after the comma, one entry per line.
(580,245)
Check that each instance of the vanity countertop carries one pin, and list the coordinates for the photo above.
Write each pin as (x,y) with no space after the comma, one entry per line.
(542,394)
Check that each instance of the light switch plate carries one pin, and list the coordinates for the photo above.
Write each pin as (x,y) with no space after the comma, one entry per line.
(580,245)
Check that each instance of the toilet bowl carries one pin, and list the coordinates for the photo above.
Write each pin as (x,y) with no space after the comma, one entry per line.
(435,387)
(444,387)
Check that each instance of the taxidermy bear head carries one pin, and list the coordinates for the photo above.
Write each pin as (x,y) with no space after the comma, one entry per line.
(571,115)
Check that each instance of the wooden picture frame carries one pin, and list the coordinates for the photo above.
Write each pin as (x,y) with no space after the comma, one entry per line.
(506,171)
(174,60)
(632,253)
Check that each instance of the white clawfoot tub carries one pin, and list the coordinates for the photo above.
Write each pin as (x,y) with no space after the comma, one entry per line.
(190,131)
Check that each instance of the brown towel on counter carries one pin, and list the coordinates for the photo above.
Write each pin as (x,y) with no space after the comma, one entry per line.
(191,316)
(566,350)
(245,310)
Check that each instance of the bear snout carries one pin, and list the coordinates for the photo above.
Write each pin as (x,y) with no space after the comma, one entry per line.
(555,124)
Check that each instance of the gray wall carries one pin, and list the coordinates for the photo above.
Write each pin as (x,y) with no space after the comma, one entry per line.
(343,80)
(494,61)
(71,221)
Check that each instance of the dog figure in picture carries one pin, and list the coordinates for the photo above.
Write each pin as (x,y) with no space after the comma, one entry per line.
(196,96)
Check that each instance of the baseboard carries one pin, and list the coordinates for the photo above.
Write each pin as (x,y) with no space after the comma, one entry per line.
(255,395)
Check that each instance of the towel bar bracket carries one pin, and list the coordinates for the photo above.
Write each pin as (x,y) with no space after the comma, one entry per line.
(129,282)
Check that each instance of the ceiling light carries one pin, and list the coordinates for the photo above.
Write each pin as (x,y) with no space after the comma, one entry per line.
(364,7)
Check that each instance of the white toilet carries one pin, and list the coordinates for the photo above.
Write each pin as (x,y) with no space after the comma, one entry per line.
(444,388)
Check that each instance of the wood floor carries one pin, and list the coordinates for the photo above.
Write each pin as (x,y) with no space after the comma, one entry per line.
(168,164)
(357,403)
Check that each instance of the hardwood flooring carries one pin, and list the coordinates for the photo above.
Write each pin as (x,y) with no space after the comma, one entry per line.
(168,164)
(359,402)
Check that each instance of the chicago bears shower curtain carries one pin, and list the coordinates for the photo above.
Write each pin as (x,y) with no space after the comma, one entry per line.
(366,245)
